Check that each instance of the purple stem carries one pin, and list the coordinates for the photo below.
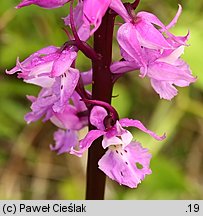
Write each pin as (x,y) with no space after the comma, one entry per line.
(101,90)
(135,4)
(81,45)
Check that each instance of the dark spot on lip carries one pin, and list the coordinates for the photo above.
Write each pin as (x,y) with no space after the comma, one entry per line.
(142,47)
(121,173)
(121,153)
(126,163)
(64,74)
(125,151)
(117,151)
(61,87)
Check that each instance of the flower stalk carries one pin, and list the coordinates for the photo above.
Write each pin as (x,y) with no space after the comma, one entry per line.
(101,90)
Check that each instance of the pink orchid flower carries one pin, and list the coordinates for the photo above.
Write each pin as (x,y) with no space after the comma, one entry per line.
(48,4)
(122,154)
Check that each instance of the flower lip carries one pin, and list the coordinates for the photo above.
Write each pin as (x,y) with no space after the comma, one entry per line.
(127,166)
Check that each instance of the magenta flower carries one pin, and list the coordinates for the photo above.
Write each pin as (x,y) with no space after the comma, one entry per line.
(122,154)
(164,72)
(154,55)
(36,68)
(94,10)
(72,119)
(41,66)
(49,4)
(51,68)
(143,28)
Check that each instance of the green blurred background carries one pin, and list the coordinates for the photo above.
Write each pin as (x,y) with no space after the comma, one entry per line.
(29,170)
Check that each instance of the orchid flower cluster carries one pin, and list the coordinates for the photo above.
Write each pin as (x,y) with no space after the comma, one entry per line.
(147,47)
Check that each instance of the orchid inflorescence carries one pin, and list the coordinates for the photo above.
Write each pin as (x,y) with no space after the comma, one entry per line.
(146,45)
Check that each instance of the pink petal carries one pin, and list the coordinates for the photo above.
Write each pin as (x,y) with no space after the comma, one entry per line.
(93,11)
(117,136)
(123,67)
(125,122)
(44,82)
(87,142)
(165,89)
(77,16)
(65,140)
(41,106)
(119,8)
(130,46)
(66,88)
(124,139)
(150,37)
(83,29)
(121,164)
(87,77)
(175,19)
(34,60)
(97,116)
(177,41)
(69,82)
(150,18)
(31,98)
(167,72)
(79,105)
(108,141)
(63,63)
(49,4)
(84,32)
(173,56)
(48,50)
(68,119)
